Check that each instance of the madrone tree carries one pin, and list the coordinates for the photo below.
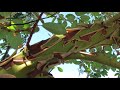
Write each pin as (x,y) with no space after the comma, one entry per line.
(88,39)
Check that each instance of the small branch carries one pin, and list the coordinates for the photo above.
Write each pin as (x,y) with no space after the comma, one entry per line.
(6,53)
(33,29)
(24,23)
(31,21)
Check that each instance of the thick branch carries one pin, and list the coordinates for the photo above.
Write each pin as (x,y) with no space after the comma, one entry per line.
(101,58)
(83,39)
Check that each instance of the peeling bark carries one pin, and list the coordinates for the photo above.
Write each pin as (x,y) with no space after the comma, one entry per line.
(69,47)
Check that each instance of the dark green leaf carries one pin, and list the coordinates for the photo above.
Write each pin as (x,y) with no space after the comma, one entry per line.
(104,72)
(70,17)
(97,75)
(113,69)
(117,74)
(85,18)
(36,29)
(74,24)
(55,28)
(76,62)
(60,69)
(59,20)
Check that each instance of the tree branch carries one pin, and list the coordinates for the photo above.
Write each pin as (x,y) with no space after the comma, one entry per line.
(46,54)
(32,21)
(101,58)
(24,23)
(6,53)
(33,29)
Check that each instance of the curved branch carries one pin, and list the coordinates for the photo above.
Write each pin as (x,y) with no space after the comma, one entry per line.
(101,58)
(45,50)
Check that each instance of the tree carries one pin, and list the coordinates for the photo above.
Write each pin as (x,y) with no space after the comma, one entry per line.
(88,39)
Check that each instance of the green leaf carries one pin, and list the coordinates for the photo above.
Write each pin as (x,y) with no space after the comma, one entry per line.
(61,16)
(12,28)
(36,29)
(88,70)
(2,34)
(85,18)
(76,62)
(97,75)
(108,48)
(65,23)
(104,72)
(55,28)
(60,69)
(99,48)
(74,24)
(19,21)
(50,13)
(14,41)
(5,14)
(80,13)
(70,17)
(26,26)
(109,54)
(97,65)
(95,13)
(59,20)
(113,69)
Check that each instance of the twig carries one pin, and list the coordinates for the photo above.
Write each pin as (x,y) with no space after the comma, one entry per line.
(33,29)
(24,23)
(33,20)
(6,53)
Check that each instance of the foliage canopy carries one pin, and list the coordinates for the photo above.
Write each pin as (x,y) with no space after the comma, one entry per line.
(88,39)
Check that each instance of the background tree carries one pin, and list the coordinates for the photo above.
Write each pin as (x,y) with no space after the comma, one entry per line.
(88,39)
